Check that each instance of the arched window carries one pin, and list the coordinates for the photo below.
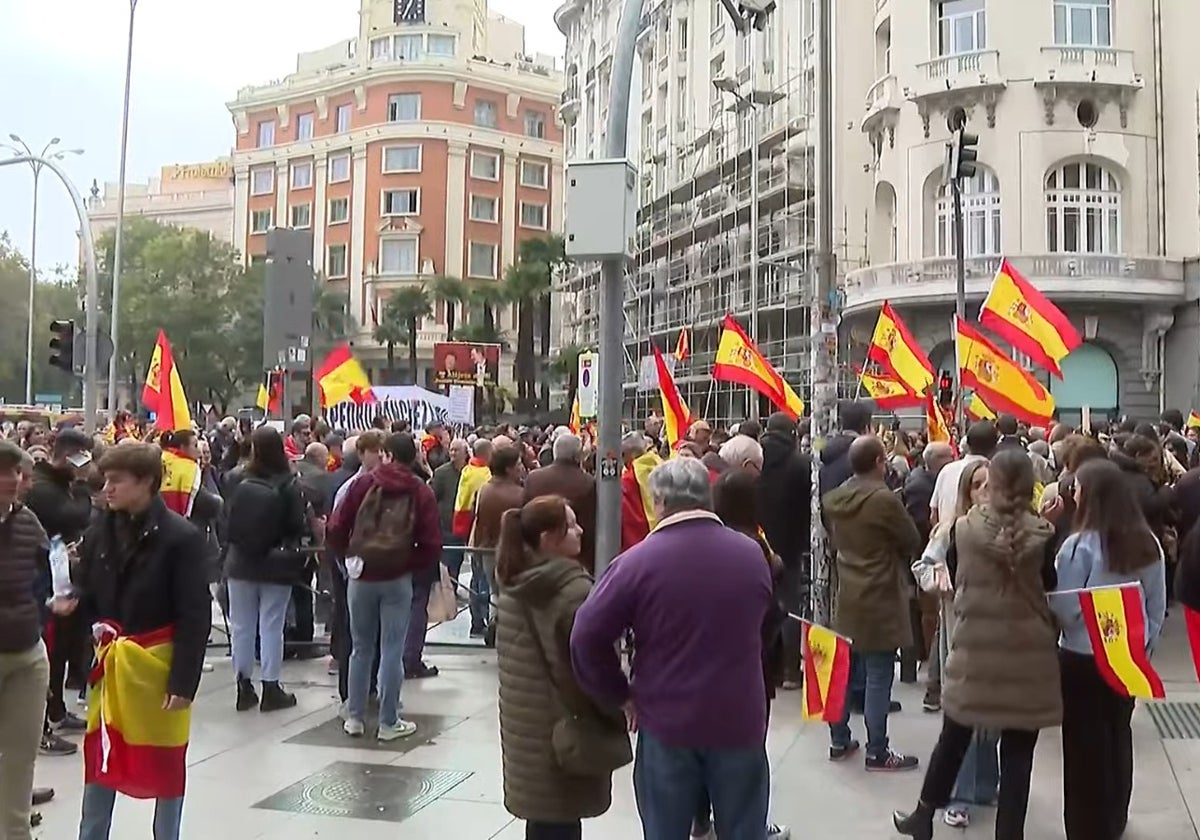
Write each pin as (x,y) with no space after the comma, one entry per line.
(981,216)
(1083,210)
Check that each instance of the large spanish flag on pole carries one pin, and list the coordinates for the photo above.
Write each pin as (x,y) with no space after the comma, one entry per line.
(474,475)
(739,360)
(1116,624)
(132,745)
(888,392)
(826,672)
(1003,384)
(340,377)
(1026,319)
(895,349)
(676,416)
(163,391)
(977,409)
(180,481)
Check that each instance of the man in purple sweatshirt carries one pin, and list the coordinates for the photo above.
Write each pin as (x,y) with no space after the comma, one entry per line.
(695,595)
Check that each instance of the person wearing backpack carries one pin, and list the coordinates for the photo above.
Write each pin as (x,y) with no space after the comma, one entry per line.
(266,523)
(387,528)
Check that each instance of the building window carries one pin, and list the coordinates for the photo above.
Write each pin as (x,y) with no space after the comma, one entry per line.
(335,262)
(342,118)
(381,49)
(404,107)
(533,174)
(962,27)
(301,215)
(483,208)
(533,215)
(717,18)
(339,168)
(304,126)
(1083,210)
(410,47)
(535,124)
(266,134)
(339,211)
(260,221)
(302,175)
(262,180)
(481,260)
(485,113)
(1083,23)
(401,202)
(402,159)
(981,216)
(485,166)
(441,45)
(398,256)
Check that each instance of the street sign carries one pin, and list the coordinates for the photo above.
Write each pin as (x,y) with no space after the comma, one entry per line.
(589,377)
(48,398)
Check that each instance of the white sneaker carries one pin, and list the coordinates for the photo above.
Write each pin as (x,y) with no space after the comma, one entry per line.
(778,832)
(958,817)
(206,668)
(344,710)
(354,727)
(402,729)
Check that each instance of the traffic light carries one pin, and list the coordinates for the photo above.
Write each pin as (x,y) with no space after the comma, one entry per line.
(961,155)
(946,390)
(62,345)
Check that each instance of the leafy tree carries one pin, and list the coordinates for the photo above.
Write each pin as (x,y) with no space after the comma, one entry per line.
(453,293)
(401,321)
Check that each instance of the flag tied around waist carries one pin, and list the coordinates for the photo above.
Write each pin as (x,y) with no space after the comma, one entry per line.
(826,672)
(133,745)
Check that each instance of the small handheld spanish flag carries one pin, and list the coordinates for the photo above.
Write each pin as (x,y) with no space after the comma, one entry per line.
(826,672)
(1116,625)
(683,346)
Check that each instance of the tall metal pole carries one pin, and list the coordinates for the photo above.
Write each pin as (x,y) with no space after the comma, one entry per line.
(612,277)
(114,315)
(37,172)
(824,330)
(960,296)
(755,141)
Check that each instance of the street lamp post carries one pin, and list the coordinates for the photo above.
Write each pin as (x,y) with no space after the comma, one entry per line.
(114,315)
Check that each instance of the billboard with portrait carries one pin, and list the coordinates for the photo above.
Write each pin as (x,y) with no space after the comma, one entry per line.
(465,363)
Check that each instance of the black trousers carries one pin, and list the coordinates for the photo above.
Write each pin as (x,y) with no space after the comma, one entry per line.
(339,633)
(68,649)
(1016,766)
(1097,752)
(553,831)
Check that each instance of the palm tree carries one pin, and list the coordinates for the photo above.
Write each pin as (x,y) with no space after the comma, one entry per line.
(565,366)
(479,333)
(407,307)
(522,282)
(389,331)
(541,259)
(452,292)
(485,297)
(332,321)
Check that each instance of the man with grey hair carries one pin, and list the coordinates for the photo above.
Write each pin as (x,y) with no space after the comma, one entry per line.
(698,594)
(742,452)
(565,477)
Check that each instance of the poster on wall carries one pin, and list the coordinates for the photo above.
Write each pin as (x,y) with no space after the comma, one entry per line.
(463,363)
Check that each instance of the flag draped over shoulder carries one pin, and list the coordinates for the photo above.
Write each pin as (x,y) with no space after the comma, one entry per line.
(1116,625)
(826,673)
(888,392)
(895,349)
(637,511)
(132,745)
(676,416)
(474,475)
(180,481)
(739,360)
(1002,383)
(340,378)
(163,391)
(1026,319)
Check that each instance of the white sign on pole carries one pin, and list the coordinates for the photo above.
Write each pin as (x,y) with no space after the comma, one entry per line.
(462,405)
(588,390)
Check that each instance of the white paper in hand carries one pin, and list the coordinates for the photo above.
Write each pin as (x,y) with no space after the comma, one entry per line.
(60,567)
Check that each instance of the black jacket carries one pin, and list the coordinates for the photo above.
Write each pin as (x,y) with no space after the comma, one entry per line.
(61,504)
(835,462)
(785,497)
(162,582)
(317,484)
(259,521)
(918,493)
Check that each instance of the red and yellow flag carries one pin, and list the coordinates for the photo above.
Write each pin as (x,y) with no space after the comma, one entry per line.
(132,745)
(637,509)
(1193,421)
(1026,319)
(270,392)
(677,419)
(895,349)
(739,360)
(826,673)
(163,391)
(935,421)
(1003,384)
(575,424)
(180,481)
(340,377)
(1116,624)
(888,392)
(977,409)
(474,475)
(683,346)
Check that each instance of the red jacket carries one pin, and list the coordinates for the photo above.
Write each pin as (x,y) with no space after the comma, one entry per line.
(427,531)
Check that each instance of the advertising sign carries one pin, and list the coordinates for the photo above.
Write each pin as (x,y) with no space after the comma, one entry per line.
(462,363)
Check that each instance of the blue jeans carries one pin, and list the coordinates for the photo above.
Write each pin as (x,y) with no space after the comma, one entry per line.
(979,777)
(481,592)
(96,820)
(379,615)
(262,608)
(872,673)
(452,558)
(669,781)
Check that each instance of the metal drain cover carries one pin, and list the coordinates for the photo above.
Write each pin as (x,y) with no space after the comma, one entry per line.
(364,791)
(1175,719)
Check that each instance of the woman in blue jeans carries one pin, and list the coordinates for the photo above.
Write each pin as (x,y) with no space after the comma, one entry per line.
(266,523)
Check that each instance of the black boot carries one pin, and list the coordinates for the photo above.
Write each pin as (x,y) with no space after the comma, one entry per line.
(246,698)
(275,698)
(918,824)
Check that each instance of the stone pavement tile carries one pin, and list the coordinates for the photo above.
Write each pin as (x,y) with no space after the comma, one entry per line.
(438,821)
(329,733)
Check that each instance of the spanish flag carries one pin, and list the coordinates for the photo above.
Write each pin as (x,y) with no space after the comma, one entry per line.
(1003,384)
(826,672)
(738,360)
(474,475)
(270,392)
(683,346)
(676,416)
(935,421)
(1026,319)
(895,349)
(132,745)
(340,377)
(1193,420)
(575,423)
(1116,625)
(977,409)
(637,511)
(163,391)
(180,481)
(888,392)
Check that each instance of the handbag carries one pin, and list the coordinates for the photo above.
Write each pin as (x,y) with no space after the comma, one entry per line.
(584,744)
(443,605)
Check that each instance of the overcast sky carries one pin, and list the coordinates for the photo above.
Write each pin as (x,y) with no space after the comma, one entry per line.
(63,66)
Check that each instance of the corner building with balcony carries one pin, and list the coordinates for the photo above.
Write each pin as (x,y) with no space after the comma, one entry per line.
(1087,181)
(428,145)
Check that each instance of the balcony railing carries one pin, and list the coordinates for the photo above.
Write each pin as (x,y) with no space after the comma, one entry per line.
(882,96)
(957,68)
(1088,65)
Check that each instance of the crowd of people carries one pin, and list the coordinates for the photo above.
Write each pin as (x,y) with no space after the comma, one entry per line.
(946,558)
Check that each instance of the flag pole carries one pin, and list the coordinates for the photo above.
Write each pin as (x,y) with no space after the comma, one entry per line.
(712,384)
